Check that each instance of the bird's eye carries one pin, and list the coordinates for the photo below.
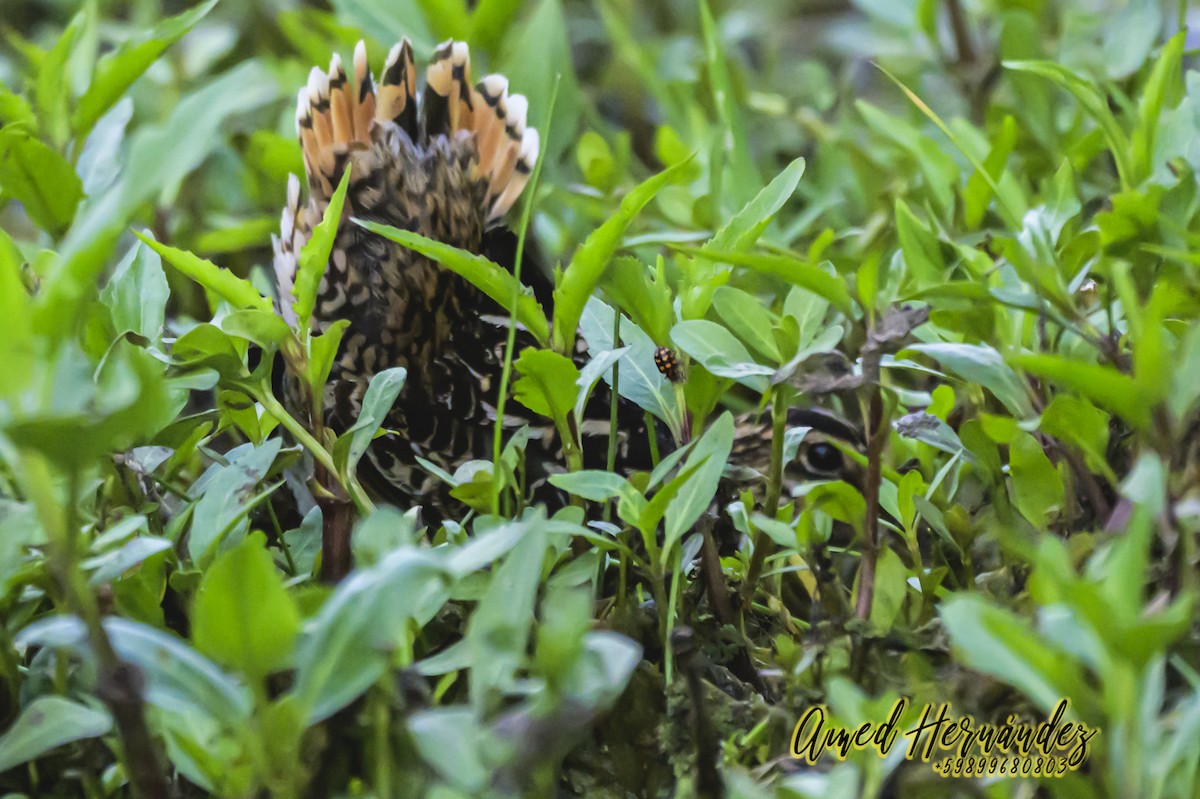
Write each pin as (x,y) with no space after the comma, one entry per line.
(823,458)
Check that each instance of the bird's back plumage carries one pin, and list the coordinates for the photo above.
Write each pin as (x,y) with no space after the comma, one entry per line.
(447,166)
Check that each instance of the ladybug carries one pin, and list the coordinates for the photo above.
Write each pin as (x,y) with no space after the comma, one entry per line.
(668,364)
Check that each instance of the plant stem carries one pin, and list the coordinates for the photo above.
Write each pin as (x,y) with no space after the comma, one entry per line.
(287,551)
(877,437)
(511,343)
(962,36)
(381,729)
(319,453)
(763,546)
(118,684)
(653,439)
(611,460)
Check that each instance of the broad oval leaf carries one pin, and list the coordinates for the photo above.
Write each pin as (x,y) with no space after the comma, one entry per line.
(695,496)
(719,352)
(40,178)
(378,400)
(48,723)
(747,316)
(243,616)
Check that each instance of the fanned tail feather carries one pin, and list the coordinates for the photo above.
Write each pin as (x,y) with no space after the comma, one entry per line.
(334,119)
(397,94)
(450,105)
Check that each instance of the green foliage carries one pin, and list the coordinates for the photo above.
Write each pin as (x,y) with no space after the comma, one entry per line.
(985,262)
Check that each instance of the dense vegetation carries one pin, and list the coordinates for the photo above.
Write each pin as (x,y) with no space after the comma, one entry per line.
(971,229)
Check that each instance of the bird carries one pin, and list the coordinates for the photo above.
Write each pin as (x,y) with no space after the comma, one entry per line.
(447,163)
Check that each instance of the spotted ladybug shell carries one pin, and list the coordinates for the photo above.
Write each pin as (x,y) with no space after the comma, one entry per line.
(667,363)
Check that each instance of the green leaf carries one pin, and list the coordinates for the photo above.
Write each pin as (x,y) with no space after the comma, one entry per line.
(652,512)
(1076,421)
(1103,385)
(747,316)
(547,386)
(322,350)
(592,484)
(1037,485)
(922,253)
(264,328)
(1094,103)
(592,258)
(40,179)
(596,161)
(793,270)
(137,292)
(1185,388)
(237,292)
(228,490)
(117,70)
(492,279)
(641,382)
(388,22)
(377,402)
(158,159)
(590,374)
(15,111)
(111,565)
(938,169)
(17,344)
(243,616)
(979,363)
(719,352)
(891,589)
(454,745)
(100,163)
(977,194)
(46,724)
(206,345)
(490,20)
(1163,89)
(744,172)
(352,639)
(747,225)
(646,299)
(499,630)
(841,501)
(52,89)
(694,498)
(997,642)
(314,256)
(177,676)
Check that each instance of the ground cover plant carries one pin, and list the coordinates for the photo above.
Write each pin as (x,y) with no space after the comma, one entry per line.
(901,298)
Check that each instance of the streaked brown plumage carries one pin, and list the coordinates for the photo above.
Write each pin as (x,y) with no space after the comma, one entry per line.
(448,167)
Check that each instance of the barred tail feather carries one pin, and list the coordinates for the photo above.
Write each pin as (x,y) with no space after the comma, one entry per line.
(294,232)
(330,122)
(364,109)
(396,97)
(448,103)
